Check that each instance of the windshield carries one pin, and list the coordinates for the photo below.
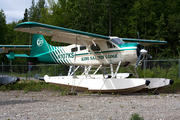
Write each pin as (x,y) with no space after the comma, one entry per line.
(117,41)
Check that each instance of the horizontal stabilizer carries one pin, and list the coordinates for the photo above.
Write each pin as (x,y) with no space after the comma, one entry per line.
(18,55)
(1,50)
(12,56)
(7,48)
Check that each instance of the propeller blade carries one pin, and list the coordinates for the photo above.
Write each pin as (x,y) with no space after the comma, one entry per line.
(138,61)
(148,56)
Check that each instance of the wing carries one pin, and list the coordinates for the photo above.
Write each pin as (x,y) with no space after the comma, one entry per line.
(144,42)
(70,36)
(7,48)
(60,34)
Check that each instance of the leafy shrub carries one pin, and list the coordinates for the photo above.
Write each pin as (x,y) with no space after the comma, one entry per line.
(30,85)
(136,116)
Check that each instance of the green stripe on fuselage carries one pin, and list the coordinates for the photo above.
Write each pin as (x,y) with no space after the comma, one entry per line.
(66,59)
(110,51)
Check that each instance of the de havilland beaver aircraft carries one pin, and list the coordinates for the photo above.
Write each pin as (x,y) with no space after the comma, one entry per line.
(97,52)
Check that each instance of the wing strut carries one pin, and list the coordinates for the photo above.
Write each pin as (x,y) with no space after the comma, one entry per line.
(115,74)
(135,75)
(90,50)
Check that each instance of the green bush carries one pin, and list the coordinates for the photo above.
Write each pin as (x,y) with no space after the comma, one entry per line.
(30,85)
(136,116)
(160,72)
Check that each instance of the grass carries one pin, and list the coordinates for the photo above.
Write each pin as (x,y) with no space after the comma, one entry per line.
(136,116)
(174,88)
(32,85)
(121,106)
(35,85)
(14,74)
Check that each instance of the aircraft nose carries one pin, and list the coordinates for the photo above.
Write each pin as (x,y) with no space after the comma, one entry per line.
(143,52)
(147,82)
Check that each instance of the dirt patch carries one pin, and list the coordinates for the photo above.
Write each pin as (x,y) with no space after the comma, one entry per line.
(51,105)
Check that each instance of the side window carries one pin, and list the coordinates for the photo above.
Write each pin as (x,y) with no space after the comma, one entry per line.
(95,48)
(82,47)
(110,45)
(74,49)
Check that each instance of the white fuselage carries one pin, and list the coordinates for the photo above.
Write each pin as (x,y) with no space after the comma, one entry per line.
(77,55)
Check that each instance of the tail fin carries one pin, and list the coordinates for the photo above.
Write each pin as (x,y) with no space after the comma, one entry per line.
(39,45)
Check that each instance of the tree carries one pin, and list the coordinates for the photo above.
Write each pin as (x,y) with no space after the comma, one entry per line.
(153,19)
(3,28)
(40,5)
(35,10)
(25,16)
(31,11)
(161,34)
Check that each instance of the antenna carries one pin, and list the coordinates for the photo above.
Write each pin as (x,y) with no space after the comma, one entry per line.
(138,35)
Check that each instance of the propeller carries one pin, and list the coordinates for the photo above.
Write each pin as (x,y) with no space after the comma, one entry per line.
(148,56)
(143,53)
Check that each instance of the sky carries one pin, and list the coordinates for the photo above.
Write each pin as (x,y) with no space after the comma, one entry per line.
(14,9)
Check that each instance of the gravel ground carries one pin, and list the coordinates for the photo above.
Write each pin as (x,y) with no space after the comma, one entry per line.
(51,105)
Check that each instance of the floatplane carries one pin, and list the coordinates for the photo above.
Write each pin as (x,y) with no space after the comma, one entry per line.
(97,52)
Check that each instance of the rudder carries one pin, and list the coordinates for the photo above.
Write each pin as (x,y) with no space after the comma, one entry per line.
(39,45)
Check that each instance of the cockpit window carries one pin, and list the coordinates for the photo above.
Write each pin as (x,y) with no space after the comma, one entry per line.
(82,47)
(109,44)
(117,41)
(95,47)
(74,49)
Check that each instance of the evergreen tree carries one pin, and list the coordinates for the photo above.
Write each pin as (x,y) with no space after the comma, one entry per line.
(40,5)
(31,12)
(25,16)
(3,28)
(153,19)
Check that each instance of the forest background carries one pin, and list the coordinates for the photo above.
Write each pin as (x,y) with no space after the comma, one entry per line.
(154,19)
